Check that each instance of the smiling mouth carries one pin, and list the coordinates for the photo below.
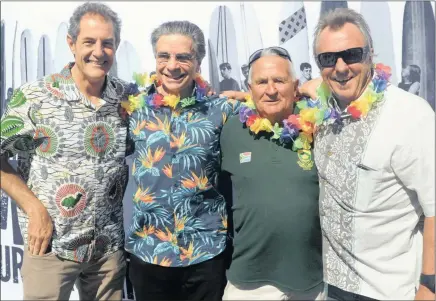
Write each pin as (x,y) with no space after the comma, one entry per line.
(179,77)
(343,81)
(100,64)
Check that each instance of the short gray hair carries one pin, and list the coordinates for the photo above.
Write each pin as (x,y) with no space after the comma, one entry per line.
(94,8)
(336,19)
(271,52)
(184,28)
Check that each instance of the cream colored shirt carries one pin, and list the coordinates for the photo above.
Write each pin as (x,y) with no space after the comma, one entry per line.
(377,177)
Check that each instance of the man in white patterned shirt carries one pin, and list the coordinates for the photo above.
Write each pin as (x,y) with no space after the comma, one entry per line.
(70,135)
(377,173)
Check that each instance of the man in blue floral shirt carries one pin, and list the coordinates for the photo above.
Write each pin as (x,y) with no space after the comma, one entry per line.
(179,228)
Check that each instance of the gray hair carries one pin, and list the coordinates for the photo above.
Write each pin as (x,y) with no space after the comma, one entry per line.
(271,52)
(94,8)
(184,28)
(336,19)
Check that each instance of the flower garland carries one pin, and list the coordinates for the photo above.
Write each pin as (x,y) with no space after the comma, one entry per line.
(299,128)
(157,100)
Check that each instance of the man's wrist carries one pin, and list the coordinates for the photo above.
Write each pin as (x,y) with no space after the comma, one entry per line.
(428,281)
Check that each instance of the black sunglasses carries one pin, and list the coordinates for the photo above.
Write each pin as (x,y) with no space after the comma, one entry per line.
(350,56)
(277,50)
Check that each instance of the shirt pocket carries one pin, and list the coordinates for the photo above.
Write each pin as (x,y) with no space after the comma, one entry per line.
(368,175)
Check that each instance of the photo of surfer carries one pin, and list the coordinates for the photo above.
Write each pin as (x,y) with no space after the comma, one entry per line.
(306,73)
(228,83)
(244,70)
(411,79)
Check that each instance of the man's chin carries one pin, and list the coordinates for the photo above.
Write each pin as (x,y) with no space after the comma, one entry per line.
(175,88)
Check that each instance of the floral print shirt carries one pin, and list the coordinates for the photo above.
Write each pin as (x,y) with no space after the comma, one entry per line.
(72,156)
(179,217)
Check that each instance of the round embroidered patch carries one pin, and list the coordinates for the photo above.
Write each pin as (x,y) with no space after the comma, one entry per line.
(99,139)
(49,146)
(70,199)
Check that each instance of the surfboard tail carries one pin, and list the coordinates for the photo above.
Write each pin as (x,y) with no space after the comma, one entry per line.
(328,5)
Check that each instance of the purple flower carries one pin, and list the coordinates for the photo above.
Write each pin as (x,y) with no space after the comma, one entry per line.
(290,132)
(244,113)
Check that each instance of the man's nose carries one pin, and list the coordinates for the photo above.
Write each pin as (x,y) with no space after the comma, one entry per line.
(341,66)
(271,88)
(172,63)
(98,50)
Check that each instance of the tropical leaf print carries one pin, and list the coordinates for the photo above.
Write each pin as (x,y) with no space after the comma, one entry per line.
(18,99)
(190,155)
(154,214)
(145,162)
(198,128)
(11,125)
(143,195)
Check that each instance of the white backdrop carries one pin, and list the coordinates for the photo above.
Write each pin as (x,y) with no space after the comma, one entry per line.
(139,19)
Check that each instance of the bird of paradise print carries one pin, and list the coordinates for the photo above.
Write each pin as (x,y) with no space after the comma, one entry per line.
(168,170)
(196,182)
(168,242)
(165,262)
(138,127)
(160,128)
(166,237)
(179,223)
(189,253)
(143,195)
(146,160)
(146,233)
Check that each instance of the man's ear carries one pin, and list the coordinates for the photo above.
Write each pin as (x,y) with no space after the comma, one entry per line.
(296,82)
(71,44)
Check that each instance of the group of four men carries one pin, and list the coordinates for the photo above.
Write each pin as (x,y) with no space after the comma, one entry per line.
(234,199)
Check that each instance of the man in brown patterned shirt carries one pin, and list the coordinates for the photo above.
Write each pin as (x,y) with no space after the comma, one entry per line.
(70,137)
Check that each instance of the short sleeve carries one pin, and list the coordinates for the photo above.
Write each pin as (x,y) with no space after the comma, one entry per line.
(17,128)
(414,162)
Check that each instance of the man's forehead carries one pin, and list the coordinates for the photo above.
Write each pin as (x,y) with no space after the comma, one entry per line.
(175,44)
(268,64)
(337,39)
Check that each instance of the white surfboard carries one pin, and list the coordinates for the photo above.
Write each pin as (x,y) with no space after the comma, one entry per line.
(250,30)
(293,34)
(2,69)
(45,60)
(27,58)
(223,40)
(62,53)
(378,17)
(127,61)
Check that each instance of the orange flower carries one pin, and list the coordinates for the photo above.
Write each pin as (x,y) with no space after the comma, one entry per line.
(145,232)
(178,141)
(139,127)
(150,158)
(159,126)
(187,254)
(165,262)
(158,154)
(168,170)
(143,195)
(199,182)
(166,236)
(179,224)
